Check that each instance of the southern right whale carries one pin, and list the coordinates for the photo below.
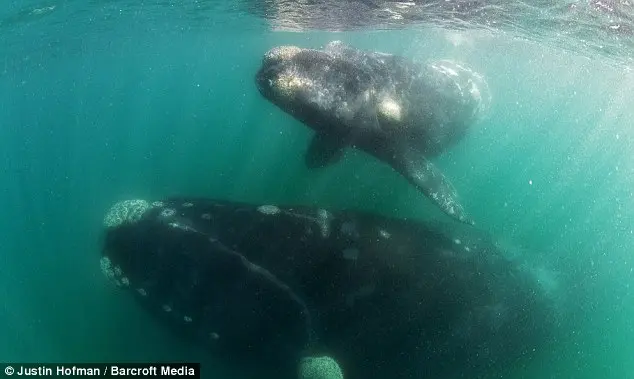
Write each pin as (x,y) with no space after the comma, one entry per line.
(278,285)
(397,111)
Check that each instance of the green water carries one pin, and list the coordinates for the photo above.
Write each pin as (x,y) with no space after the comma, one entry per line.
(133,105)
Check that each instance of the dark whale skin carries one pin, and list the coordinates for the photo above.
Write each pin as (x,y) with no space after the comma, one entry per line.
(385,297)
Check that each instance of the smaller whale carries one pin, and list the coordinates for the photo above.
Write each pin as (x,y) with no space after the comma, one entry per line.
(305,292)
(399,112)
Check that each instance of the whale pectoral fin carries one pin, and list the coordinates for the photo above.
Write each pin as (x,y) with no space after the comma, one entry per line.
(430,180)
(323,151)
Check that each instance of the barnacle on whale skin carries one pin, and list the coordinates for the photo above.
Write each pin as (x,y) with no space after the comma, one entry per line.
(282,52)
(127,211)
(319,368)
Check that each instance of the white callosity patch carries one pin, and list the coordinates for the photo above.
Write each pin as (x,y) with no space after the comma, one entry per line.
(384,234)
(268,209)
(141,292)
(205,216)
(128,211)
(166,308)
(168,212)
(188,205)
(158,204)
(282,52)
(287,85)
(187,319)
(113,273)
(106,267)
(319,368)
(323,219)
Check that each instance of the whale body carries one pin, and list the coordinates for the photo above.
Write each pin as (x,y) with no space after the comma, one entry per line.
(399,112)
(383,297)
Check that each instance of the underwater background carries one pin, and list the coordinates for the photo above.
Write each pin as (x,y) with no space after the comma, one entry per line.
(102,101)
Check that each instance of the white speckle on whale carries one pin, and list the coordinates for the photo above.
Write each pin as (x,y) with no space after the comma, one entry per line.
(205,216)
(167,308)
(268,209)
(421,176)
(125,281)
(457,241)
(214,336)
(187,319)
(384,233)
(141,292)
(106,267)
(178,225)
(324,223)
(168,212)
(158,204)
(187,205)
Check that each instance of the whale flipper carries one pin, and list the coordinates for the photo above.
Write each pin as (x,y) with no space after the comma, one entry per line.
(423,174)
(323,151)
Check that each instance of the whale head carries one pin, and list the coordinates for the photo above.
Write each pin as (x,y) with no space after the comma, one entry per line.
(199,287)
(316,87)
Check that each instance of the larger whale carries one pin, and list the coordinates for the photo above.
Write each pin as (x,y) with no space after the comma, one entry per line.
(400,112)
(340,292)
